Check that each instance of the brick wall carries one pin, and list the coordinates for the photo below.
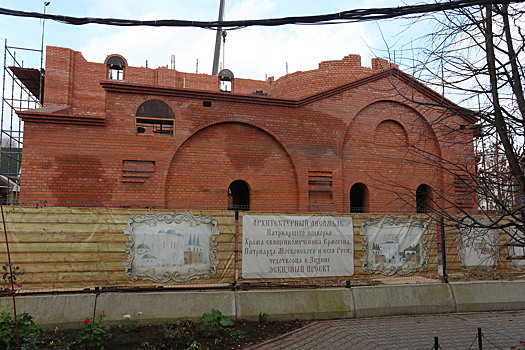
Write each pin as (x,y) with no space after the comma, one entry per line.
(299,149)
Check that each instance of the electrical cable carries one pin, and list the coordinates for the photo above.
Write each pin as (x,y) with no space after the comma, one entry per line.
(357,15)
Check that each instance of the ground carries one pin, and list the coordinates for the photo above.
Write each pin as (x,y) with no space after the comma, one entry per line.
(181,335)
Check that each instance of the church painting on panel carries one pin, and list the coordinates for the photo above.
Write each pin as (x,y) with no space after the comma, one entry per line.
(394,245)
(478,248)
(164,247)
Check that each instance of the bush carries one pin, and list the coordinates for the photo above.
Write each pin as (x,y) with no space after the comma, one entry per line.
(213,324)
(180,333)
(29,334)
(92,336)
(263,318)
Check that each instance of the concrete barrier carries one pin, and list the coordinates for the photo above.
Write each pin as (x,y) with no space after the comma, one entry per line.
(489,295)
(164,306)
(69,310)
(403,300)
(63,311)
(296,304)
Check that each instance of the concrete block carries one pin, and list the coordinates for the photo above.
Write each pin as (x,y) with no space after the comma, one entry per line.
(49,311)
(157,307)
(489,295)
(296,304)
(403,300)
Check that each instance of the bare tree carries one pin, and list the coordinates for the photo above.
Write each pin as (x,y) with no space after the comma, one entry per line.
(474,57)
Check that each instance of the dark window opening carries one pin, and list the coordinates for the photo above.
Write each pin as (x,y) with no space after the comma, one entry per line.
(423,199)
(155,117)
(116,67)
(154,126)
(238,196)
(359,198)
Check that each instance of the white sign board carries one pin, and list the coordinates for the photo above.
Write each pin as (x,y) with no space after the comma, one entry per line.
(297,246)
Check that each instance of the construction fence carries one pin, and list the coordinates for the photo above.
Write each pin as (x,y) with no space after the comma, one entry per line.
(70,249)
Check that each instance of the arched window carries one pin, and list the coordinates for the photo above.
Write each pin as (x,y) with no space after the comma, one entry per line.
(359,198)
(154,117)
(116,66)
(423,199)
(238,196)
(226,80)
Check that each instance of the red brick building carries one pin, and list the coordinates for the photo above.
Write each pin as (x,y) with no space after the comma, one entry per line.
(338,138)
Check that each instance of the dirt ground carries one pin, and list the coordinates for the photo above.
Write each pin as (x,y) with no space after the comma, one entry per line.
(181,335)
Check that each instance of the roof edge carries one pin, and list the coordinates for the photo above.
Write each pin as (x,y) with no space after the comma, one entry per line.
(39,117)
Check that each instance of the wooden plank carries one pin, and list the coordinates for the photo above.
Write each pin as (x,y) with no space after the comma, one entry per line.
(32,240)
(104,278)
(58,255)
(111,212)
(59,218)
(104,228)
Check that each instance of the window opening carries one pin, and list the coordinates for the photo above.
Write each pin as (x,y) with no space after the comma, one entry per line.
(359,198)
(423,199)
(226,80)
(155,117)
(238,196)
(116,68)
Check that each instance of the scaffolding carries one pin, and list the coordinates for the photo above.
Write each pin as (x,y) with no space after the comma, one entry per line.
(22,89)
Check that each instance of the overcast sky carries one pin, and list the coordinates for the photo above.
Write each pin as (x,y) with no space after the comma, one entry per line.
(254,52)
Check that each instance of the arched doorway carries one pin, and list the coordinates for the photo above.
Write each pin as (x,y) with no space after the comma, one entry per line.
(423,199)
(359,198)
(239,196)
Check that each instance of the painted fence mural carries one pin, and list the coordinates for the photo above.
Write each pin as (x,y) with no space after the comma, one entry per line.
(474,252)
(395,245)
(178,247)
(415,249)
(61,247)
(477,248)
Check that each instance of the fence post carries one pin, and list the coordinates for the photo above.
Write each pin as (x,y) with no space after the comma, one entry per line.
(236,254)
(480,344)
(443,250)
(436,343)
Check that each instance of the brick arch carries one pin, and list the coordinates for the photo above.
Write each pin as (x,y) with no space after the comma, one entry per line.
(145,98)
(382,105)
(116,55)
(241,120)
(119,61)
(390,133)
(208,161)
(375,154)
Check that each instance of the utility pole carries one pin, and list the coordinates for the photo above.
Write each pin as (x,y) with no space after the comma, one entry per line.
(218,41)
(41,84)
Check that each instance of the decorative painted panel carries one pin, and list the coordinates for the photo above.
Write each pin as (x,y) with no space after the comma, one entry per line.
(394,245)
(164,247)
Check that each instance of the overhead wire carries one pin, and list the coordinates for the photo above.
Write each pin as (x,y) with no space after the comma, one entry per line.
(357,15)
